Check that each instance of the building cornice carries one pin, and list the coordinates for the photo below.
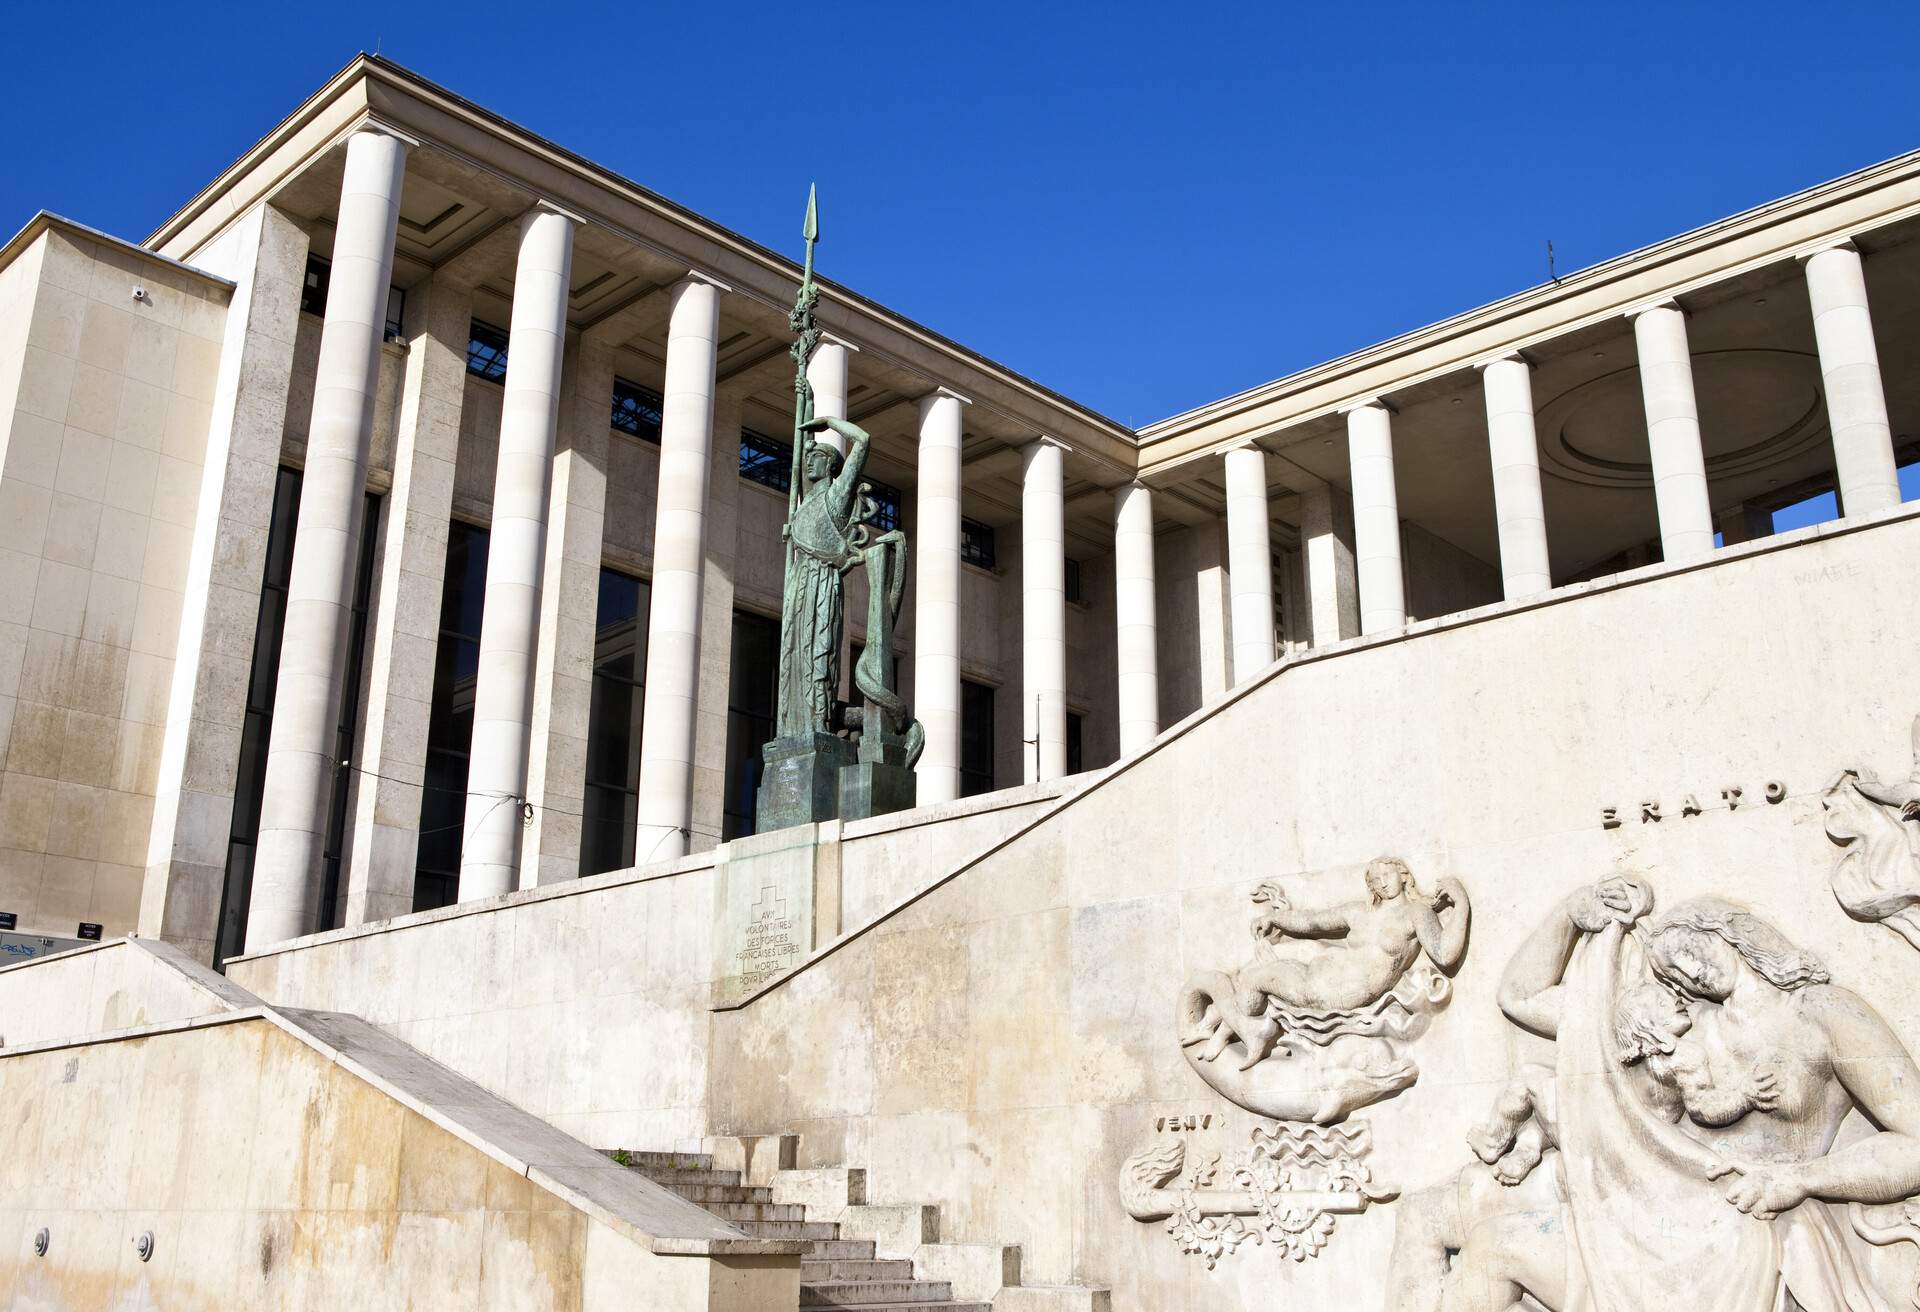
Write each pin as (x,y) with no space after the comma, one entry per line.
(47,221)
(1767,234)
(448,123)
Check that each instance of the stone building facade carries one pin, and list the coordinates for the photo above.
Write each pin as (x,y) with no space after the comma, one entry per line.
(391,560)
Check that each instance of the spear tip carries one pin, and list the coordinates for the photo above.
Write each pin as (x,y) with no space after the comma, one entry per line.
(811,229)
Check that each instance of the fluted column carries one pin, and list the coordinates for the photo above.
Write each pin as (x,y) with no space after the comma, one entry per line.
(1515,453)
(1043,611)
(1135,622)
(936,597)
(1673,431)
(827,375)
(1249,561)
(679,549)
(1376,518)
(1863,459)
(300,751)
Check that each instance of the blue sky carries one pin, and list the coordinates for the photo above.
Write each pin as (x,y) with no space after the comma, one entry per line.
(1146,208)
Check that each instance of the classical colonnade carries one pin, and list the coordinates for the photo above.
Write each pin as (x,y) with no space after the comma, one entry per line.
(300,765)
(1863,450)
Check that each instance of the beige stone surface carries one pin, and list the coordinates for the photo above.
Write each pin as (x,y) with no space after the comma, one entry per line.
(108,400)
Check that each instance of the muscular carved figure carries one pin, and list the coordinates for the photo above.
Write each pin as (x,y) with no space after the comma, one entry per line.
(1704,1067)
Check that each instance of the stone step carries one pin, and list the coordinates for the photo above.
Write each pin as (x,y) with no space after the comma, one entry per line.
(670,1178)
(757,1211)
(823,1191)
(898,1228)
(653,1161)
(1054,1298)
(868,1293)
(942,1306)
(705,1194)
(840,1250)
(820,1270)
(791,1230)
(974,1270)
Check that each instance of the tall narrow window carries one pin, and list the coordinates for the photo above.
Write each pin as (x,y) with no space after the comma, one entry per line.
(752,689)
(333,854)
(1075,592)
(976,544)
(1076,754)
(976,738)
(262,677)
(612,795)
(456,668)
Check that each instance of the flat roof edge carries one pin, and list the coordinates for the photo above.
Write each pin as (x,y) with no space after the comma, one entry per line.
(48,221)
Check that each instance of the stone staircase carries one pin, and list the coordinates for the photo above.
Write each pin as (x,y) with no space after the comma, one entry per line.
(862,1257)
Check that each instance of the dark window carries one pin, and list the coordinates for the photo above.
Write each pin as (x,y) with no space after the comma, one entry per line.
(313,294)
(752,689)
(886,505)
(456,668)
(1076,758)
(613,725)
(262,677)
(486,351)
(976,543)
(1074,592)
(636,410)
(766,460)
(976,738)
(333,855)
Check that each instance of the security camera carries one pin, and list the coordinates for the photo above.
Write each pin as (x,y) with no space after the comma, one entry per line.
(139,293)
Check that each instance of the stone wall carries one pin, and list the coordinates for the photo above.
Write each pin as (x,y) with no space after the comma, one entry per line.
(102,442)
(1010,1040)
(586,1002)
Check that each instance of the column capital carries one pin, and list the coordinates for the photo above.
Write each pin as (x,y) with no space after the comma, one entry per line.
(374,127)
(1039,440)
(1821,248)
(545,206)
(1518,357)
(1664,303)
(1251,444)
(947,392)
(703,279)
(834,339)
(1370,403)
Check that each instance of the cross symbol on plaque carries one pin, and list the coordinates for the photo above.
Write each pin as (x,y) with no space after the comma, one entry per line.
(770,905)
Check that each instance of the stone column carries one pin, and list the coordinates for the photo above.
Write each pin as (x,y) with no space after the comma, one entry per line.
(1376,518)
(306,716)
(936,597)
(1850,370)
(1043,610)
(1673,431)
(1249,561)
(716,617)
(569,613)
(264,254)
(404,629)
(1517,508)
(679,549)
(516,550)
(1326,549)
(827,374)
(1135,618)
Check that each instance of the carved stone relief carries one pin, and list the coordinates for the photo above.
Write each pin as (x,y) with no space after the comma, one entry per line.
(1293,1179)
(1877,876)
(1315,1025)
(1679,1150)
(1314,1033)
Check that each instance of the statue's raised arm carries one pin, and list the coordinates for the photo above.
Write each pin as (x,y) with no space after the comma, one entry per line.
(846,484)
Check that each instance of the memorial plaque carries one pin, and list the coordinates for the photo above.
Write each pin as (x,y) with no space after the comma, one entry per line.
(764,914)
